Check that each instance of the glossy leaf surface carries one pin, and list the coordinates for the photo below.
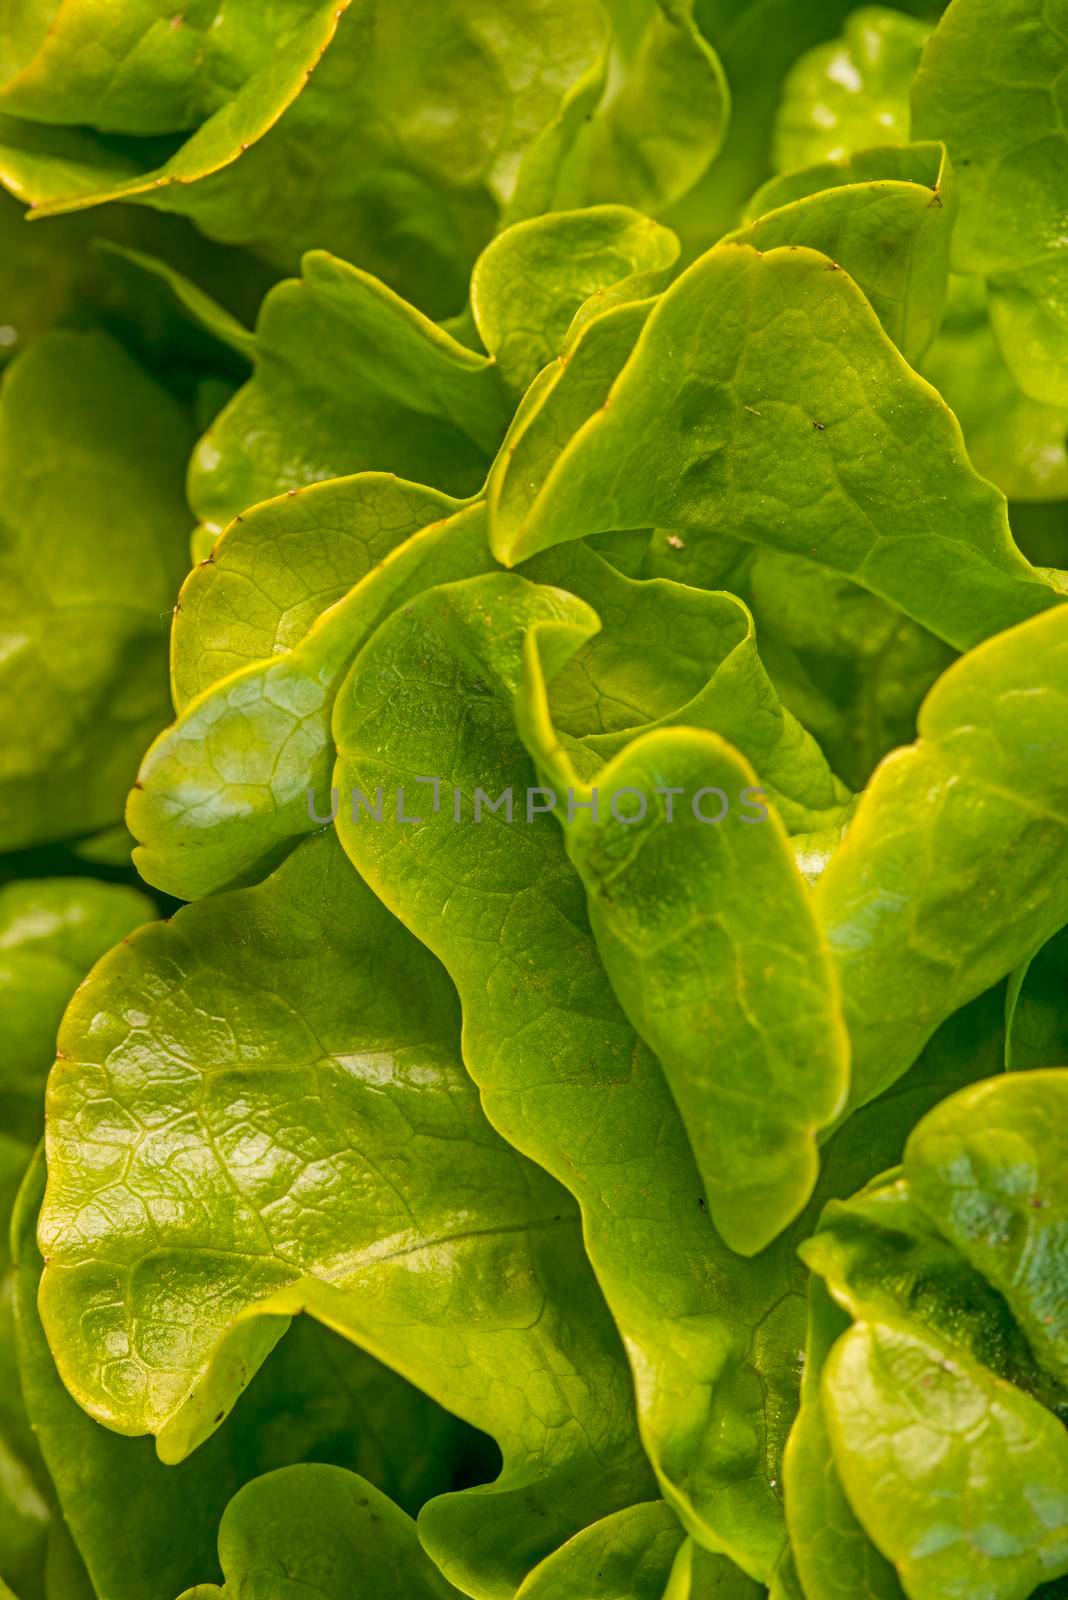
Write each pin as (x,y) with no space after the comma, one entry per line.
(742,435)
(908,1413)
(451,1288)
(850,93)
(971,819)
(885,216)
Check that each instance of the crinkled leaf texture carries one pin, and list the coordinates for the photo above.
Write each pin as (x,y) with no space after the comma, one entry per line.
(529,1108)
(989,1168)
(246,769)
(972,815)
(562,1074)
(319,1525)
(762,399)
(199,1196)
(945,1428)
(930,1449)
(671,901)
(317,1398)
(528,285)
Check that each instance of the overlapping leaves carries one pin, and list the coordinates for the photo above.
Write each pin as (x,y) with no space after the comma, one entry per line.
(529,1095)
(930,1449)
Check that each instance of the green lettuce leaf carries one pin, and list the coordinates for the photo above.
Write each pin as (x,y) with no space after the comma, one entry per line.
(666,110)
(246,769)
(761,1064)
(505,911)
(151,73)
(832,1554)
(988,1166)
(318,1397)
(396,144)
(212,1201)
(276,569)
(666,655)
(751,1095)
(746,435)
(51,932)
(853,92)
(628,1556)
(936,1387)
(607,1150)
(563,1076)
(320,1528)
(92,546)
(230,782)
(348,378)
(988,85)
(758,42)
(531,281)
(1016,442)
(25,1511)
(885,216)
(197,309)
(949,875)
(700,1575)
(958,1477)
(852,668)
(883,1260)
(136,70)
(441,111)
